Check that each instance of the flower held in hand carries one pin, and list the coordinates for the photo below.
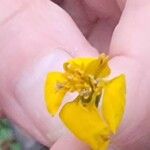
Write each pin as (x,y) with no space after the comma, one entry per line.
(96,113)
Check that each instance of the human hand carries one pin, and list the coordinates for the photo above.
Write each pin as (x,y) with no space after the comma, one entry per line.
(40,36)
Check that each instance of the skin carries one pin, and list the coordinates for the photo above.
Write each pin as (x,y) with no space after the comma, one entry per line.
(37,37)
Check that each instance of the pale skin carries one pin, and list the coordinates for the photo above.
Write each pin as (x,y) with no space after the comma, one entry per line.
(37,37)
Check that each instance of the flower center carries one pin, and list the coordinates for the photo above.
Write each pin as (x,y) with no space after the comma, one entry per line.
(88,86)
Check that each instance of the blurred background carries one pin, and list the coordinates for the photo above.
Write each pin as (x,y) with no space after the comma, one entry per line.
(14,138)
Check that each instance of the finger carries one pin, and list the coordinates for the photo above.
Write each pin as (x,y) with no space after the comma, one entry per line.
(69,142)
(76,45)
(130,53)
(131,36)
(29,99)
(38,30)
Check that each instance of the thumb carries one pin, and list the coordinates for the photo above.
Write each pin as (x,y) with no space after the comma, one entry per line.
(130,55)
(37,34)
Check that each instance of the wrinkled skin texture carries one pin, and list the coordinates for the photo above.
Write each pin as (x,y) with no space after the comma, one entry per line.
(37,37)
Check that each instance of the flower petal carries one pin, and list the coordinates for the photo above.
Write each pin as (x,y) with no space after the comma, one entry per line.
(80,63)
(99,67)
(54,94)
(86,123)
(113,103)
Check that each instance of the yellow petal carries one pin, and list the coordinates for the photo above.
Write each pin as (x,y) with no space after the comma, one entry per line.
(80,63)
(86,123)
(54,94)
(99,67)
(113,103)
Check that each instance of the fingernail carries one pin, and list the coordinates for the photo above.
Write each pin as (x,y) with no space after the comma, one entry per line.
(51,62)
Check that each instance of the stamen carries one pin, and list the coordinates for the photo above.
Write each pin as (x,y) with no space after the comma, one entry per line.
(85,93)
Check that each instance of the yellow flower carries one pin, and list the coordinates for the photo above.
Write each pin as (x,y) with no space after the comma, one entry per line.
(96,113)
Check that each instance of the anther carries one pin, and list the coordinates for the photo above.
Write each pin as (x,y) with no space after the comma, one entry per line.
(59,86)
